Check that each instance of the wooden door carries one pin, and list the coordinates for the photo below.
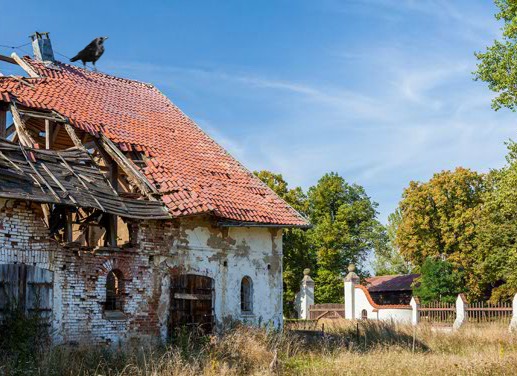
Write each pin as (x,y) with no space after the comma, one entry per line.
(27,287)
(192,303)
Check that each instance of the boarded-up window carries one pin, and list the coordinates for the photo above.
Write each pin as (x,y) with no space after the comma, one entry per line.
(246,295)
(114,291)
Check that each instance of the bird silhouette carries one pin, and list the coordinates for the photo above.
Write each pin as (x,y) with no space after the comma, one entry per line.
(91,53)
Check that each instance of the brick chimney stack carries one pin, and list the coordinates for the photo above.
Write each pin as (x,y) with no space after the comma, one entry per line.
(42,47)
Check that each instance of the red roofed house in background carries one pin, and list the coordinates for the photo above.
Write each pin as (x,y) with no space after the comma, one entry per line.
(120,218)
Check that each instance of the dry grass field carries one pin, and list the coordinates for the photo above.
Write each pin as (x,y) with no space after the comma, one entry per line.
(374,349)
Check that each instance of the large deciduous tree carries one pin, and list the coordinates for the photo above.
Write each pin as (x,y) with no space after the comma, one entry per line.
(388,259)
(440,219)
(497,234)
(498,64)
(438,216)
(345,230)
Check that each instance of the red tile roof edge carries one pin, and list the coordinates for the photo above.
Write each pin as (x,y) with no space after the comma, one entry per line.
(287,217)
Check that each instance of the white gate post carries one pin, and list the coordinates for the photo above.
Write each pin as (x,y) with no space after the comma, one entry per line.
(415,306)
(461,305)
(351,280)
(306,295)
(513,323)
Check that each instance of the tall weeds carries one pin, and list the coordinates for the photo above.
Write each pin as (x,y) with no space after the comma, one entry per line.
(348,348)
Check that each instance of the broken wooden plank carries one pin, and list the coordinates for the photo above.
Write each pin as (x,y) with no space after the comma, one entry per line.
(26,67)
(8,59)
(21,129)
(182,296)
(128,167)
(47,134)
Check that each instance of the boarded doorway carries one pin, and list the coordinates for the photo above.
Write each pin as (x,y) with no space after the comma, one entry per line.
(27,287)
(192,299)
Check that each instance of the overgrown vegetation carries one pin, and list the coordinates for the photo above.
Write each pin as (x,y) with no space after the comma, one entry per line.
(23,336)
(365,348)
(345,229)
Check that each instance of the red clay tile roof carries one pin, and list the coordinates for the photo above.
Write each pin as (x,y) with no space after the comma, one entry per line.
(380,306)
(391,282)
(192,172)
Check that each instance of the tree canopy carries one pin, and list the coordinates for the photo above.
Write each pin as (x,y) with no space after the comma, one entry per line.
(497,66)
(388,259)
(439,280)
(438,216)
(345,229)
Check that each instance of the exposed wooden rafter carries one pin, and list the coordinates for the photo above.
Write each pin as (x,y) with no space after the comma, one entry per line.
(26,67)
(21,130)
(129,168)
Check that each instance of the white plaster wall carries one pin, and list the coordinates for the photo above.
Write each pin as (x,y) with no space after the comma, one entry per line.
(254,252)
(361,302)
(398,315)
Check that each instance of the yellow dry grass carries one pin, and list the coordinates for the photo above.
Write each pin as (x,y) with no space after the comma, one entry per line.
(379,349)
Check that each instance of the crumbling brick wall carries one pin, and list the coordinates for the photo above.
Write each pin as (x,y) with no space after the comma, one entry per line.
(195,246)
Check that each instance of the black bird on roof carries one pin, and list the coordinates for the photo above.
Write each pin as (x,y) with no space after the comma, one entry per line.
(92,52)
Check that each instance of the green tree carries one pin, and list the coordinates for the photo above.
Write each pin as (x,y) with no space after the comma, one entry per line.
(496,262)
(439,217)
(345,230)
(388,259)
(297,253)
(439,280)
(498,64)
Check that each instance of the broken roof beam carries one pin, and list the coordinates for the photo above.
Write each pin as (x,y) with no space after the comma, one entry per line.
(21,130)
(129,168)
(26,67)
(8,59)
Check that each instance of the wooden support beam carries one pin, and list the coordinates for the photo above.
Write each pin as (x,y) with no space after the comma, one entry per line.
(54,132)
(8,59)
(129,168)
(68,226)
(26,67)
(111,231)
(3,124)
(47,134)
(21,130)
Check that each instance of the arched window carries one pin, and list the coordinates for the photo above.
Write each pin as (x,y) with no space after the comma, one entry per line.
(364,314)
(114,290)
(246,295)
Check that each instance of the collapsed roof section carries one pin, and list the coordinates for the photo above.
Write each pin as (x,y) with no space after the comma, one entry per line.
(192,174)
(67,177)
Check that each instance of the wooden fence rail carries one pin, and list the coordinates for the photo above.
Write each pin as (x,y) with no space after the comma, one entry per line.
(481,312)
(437,313)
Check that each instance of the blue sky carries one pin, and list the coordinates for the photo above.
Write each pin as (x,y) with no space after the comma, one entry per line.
(380,91)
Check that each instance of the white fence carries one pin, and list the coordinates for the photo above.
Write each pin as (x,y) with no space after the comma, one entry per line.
(359,305)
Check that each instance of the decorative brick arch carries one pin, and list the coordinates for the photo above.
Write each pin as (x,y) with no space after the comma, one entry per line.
(115,264)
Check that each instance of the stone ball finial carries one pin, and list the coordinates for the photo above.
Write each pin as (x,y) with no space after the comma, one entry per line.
(306,271)
(351,268)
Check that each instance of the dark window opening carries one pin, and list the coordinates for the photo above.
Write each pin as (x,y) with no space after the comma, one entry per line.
(114,291)
(364,314)
(246,295)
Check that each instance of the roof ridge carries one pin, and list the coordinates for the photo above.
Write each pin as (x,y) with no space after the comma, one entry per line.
(58,63)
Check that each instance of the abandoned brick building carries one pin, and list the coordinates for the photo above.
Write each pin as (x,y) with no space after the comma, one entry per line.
(120,218)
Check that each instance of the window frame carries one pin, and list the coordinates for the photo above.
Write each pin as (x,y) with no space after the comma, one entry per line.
(246,297)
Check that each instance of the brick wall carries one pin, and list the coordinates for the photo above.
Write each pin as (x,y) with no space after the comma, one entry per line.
(162,247)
